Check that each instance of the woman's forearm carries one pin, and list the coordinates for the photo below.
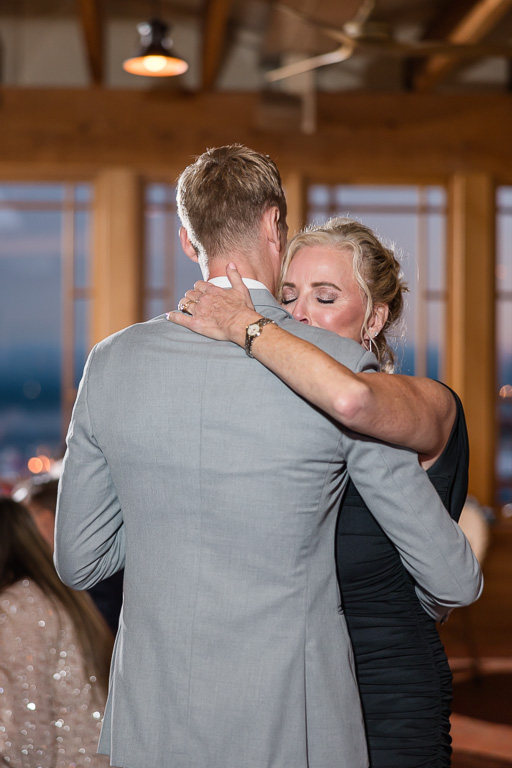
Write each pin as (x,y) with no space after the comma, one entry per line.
(413,412)
(313,374)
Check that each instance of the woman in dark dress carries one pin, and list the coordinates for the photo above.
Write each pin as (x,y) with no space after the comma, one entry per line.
(402,670)
(342,278)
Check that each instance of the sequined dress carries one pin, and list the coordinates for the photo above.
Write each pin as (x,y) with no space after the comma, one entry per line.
(50,712)
(402,670)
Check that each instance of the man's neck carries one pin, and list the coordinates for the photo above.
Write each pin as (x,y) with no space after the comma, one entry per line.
(217,268)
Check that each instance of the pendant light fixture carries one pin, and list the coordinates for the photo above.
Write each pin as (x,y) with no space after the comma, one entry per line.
(155,57)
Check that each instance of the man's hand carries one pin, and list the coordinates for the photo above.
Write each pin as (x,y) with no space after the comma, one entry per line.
(219,313)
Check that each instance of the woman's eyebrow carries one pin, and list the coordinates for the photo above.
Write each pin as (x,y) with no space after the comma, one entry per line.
(314,285)
(331,285)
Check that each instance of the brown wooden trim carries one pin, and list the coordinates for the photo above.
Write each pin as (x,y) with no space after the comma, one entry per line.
(471,362)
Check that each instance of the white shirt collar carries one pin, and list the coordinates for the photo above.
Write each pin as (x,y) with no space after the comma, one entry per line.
(223,282)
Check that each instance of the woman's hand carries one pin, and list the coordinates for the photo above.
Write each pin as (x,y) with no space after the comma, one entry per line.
(219,313)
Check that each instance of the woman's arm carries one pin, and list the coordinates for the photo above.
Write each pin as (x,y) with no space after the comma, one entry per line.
(416,413)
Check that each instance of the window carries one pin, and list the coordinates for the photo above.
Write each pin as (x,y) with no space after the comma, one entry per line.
(168,273)
(413,218)
(504,345)
(44,314)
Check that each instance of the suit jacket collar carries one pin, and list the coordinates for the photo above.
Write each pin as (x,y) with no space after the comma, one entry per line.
(263,301)
(260,295)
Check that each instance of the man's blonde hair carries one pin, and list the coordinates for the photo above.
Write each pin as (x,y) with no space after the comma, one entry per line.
(223,195)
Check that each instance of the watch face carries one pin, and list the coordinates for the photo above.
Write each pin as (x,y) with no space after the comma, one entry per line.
(253,330)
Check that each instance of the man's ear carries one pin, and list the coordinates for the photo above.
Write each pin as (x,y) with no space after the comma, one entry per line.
(187,246)
(271,219)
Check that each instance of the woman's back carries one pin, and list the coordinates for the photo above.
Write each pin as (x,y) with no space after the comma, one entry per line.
(50,710)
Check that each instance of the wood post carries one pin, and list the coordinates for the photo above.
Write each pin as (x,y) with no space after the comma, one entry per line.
(117,252)
(471,366)
(293,185)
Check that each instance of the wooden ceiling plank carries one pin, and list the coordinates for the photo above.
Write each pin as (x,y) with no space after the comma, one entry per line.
(92,28)
(214,39)
(478,21)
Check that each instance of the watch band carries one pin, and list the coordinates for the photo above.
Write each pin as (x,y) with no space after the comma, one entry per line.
(252,332)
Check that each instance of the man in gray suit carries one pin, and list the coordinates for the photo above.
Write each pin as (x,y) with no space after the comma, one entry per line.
(216,487)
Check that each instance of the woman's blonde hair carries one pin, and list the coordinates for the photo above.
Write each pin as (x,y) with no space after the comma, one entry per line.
(25,555)
(376,270)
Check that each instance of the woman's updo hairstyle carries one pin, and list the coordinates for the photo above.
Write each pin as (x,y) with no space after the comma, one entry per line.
(376,270)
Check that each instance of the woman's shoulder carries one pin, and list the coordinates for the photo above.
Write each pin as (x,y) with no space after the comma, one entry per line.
(23,591)
(24,602)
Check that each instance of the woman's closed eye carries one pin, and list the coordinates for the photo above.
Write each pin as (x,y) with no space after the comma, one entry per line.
(287,299)
(288,296)
(326,297)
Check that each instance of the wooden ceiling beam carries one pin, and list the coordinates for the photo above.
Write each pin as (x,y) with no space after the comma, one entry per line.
(360,135)
(92,28)
(478,20)
(214,39)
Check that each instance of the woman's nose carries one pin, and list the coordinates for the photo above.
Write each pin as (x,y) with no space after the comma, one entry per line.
(300,313)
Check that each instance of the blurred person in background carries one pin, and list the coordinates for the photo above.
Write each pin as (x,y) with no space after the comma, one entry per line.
(39,495)
(40,498)
(55,651)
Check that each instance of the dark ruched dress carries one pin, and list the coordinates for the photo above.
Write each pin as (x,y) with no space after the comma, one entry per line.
(404,678)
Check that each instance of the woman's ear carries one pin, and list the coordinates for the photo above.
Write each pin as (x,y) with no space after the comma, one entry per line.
(378,319)
(187,246)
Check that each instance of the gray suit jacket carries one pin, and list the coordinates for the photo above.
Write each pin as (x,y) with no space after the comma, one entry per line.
(217,488)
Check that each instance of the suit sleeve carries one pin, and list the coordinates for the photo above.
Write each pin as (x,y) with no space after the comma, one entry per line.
(89,530)
(431,545)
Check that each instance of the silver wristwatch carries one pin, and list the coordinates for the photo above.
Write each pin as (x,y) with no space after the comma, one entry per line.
(252,332)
